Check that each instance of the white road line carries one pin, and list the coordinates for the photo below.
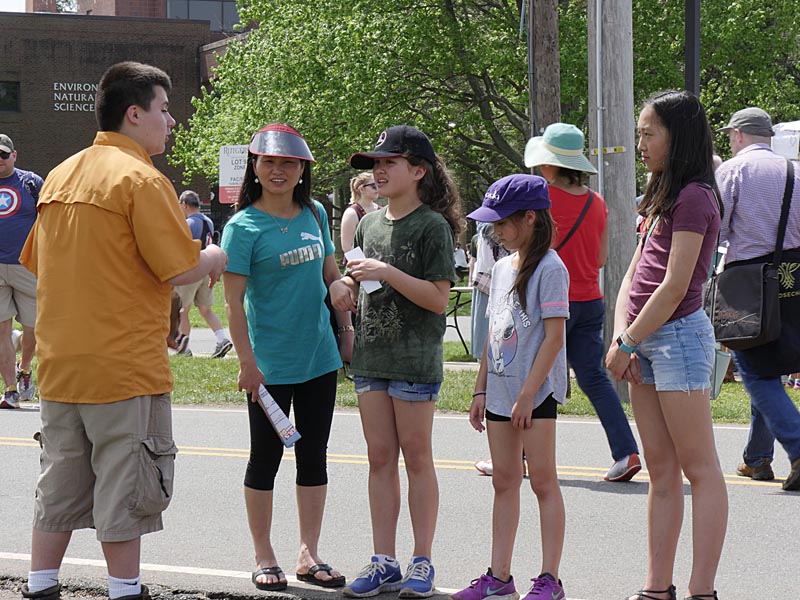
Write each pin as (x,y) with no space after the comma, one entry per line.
(87,562)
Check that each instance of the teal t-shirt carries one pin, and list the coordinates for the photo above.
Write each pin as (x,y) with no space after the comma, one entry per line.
(288,322)
(395,338)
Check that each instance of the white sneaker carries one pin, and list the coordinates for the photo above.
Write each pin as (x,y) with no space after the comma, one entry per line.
(25,385)
(10,400)
(624,469)
(484,466)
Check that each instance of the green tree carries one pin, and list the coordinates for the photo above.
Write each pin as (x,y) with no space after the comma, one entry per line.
(342,71)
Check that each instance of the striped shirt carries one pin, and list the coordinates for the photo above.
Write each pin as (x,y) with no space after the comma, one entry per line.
(751,184)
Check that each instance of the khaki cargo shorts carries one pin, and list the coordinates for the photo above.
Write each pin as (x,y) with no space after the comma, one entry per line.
(196,293)
(17,294)
(106,466)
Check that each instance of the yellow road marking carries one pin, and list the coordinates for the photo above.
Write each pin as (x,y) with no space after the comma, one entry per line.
(360,459)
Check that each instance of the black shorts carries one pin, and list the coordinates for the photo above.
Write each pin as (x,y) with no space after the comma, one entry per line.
(546,410)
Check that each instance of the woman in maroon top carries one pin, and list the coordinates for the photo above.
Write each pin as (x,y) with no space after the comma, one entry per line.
(665,342)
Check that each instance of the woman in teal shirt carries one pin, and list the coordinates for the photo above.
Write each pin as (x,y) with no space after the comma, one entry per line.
(280,264)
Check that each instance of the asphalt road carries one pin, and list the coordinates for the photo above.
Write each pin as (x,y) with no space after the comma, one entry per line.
(206,545)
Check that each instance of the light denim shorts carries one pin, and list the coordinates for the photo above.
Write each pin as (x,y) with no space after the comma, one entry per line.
(679,355)
(402,390)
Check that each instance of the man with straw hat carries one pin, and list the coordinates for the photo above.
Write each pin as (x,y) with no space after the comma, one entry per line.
(582,243)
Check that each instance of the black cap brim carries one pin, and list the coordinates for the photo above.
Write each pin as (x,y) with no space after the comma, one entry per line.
(366,160)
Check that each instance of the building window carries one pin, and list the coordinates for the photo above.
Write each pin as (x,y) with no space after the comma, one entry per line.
(9,96)
(177,9)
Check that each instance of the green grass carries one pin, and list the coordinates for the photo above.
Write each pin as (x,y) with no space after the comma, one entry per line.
(210,381)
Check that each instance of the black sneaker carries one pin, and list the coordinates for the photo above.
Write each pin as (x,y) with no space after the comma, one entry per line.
(762,472)
(222,349)
(792,483)
(51,593)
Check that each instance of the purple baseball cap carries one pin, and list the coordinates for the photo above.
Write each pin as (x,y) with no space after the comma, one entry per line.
(511,194)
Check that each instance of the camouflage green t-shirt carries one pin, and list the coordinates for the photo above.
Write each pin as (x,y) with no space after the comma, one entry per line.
(395,338)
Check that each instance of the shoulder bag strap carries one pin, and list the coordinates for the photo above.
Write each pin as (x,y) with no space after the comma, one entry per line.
(578,222)
(787,201)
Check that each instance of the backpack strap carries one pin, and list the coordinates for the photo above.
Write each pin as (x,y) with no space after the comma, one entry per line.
(578,222)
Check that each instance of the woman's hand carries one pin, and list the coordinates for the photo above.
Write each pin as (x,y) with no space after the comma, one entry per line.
(617,362)
(521,413)
(250,377)
(476,412)
(633,374)
(343,296)
(361,269)
(346,339)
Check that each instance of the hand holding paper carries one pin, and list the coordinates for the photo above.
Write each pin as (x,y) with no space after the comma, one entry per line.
(369,285)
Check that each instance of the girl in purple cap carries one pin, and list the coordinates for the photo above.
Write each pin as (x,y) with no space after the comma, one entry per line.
(397,359)
(664,344)
(522,380)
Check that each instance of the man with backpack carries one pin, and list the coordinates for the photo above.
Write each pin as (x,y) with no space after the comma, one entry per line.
(199,293)
(19,192)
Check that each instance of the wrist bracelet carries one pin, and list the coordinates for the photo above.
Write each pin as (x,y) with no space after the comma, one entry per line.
(478,394)
(624,347)
(631,338)
(344,328)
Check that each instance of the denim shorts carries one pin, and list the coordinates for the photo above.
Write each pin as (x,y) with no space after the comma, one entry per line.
(679,355)
(402,390)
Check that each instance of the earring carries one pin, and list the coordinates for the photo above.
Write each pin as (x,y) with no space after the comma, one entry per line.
(301,181)
(256,179)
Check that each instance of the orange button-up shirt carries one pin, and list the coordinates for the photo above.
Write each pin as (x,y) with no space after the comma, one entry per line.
(108,236)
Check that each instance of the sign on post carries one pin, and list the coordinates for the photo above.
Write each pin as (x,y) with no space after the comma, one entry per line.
(232,164)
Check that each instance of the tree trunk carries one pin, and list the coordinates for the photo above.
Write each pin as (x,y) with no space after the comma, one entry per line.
(617,180)
(546,64)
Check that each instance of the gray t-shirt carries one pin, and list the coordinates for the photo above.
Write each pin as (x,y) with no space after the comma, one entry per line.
(395,338)
(516,335)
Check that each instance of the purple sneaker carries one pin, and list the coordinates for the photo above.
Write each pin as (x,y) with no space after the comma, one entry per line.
(486,586)
(545,587)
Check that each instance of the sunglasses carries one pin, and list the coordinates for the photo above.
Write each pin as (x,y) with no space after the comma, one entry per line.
(5,155)
(374,186)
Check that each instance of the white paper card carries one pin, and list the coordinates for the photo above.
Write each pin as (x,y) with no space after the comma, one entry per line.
(370,285)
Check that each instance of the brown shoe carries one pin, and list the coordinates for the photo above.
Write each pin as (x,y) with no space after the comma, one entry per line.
(792,483)
(762,472)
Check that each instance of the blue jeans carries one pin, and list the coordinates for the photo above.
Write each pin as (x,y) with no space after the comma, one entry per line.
(585,352)
(772,415)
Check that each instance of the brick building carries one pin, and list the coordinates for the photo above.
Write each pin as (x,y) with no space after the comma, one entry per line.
(55,61)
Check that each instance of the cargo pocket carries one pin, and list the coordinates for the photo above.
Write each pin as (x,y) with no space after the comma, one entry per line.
(156,471)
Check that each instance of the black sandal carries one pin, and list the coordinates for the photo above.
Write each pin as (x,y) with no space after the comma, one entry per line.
(275,586)
(712,595)
(645,594)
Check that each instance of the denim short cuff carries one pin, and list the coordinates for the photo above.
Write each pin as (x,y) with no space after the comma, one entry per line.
(402,390)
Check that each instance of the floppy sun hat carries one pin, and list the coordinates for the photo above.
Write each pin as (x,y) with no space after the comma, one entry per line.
(511,194)
(280,140)
(560,146)
(400,140)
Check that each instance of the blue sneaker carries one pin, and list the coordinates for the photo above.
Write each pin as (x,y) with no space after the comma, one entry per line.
(374,579)
(418,582)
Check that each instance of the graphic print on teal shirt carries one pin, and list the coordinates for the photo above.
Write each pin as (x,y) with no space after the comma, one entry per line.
(288,322)
(395,338)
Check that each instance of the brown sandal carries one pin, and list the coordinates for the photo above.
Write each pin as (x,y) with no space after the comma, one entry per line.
(645,594)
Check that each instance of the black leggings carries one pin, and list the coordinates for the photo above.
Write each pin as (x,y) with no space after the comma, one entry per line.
(313,413)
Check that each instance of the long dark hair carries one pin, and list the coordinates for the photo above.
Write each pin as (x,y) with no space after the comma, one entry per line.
(438,190)
(251,187)
(539,243)
(690,151)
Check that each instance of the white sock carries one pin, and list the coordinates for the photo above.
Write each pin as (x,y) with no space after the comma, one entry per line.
(221,337)
(117,588)
(41,580)
(385,559)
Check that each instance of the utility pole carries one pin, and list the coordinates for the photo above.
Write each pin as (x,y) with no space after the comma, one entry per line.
(543,29)
(611,127)
(692,45)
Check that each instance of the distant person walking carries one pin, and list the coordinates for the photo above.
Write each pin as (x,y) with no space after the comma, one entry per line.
(19,192)
(200,293)
(581,241)
(104,289)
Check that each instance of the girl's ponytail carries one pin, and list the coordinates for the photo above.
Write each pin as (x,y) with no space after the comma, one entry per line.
(539,243)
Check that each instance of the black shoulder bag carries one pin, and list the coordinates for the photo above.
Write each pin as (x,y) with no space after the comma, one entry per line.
(747,312)
(578,222)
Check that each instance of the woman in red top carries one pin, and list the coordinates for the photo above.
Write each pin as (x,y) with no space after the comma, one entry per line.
(582,244)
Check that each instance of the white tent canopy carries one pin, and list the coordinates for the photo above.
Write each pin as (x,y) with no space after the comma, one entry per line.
(787,139)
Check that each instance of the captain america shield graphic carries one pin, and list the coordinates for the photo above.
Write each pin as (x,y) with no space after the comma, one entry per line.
(9,201)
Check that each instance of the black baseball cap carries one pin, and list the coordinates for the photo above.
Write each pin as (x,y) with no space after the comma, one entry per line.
(400,140)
